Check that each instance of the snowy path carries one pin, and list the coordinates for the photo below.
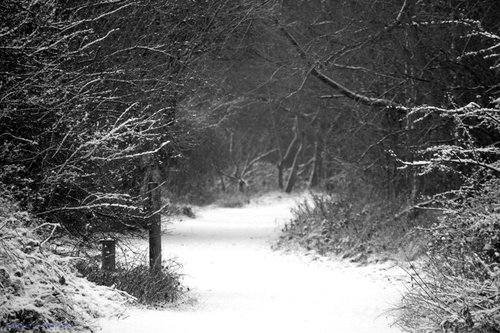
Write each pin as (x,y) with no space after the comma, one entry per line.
(243,286)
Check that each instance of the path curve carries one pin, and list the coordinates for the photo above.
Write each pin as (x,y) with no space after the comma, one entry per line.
(243,286)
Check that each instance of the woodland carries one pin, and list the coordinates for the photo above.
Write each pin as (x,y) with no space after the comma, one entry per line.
(388,110)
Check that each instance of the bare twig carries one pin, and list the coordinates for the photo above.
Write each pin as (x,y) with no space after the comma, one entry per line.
(54,227)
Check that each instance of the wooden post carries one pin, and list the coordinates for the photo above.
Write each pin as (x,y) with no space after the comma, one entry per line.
(108,254)
(154,191)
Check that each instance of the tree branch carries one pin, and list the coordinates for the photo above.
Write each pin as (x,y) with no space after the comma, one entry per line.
(363,99)
(459,161)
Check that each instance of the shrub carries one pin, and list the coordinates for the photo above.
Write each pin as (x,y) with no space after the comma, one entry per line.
(458,288)
(150,287)
(329,224)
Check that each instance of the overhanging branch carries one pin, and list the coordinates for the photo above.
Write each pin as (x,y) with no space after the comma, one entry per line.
(360,98)
(457,161)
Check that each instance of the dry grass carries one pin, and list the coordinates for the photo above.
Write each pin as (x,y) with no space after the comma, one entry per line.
(458,288)
(328,224)
(442,301)
(150,287)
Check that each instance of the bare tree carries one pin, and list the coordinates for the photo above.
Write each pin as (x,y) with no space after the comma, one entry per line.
(90,90)
(387,92)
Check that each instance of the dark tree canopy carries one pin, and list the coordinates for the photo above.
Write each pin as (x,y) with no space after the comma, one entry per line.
(402,96)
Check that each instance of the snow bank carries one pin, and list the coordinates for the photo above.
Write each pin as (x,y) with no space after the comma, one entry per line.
(39,291)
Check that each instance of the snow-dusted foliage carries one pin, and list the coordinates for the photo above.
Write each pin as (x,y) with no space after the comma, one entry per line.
(72,138)
(89,95)
(475,126)
(468,149)
(39,290)
(458,288)
(151,287)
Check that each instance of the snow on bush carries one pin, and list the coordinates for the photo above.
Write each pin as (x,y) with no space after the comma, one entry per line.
(332,224)
(39,290)
(156,287)
(458,289)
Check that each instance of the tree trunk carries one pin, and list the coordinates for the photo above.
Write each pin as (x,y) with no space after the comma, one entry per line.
(222,183)
(317,167)
(293,172)
(154,191)
(280,175)
(284,160)
(241,185)
(280,150)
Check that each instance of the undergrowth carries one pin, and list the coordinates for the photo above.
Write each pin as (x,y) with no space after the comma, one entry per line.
(328,224)
(458,288)
(150,287)
(39,290)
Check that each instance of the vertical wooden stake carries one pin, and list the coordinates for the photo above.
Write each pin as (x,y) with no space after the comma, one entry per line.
(108,254)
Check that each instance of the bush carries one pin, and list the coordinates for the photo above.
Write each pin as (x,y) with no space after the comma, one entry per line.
(329,224)
(458,288)
(150,287)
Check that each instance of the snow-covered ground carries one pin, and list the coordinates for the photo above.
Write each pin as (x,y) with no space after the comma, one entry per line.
(241,285)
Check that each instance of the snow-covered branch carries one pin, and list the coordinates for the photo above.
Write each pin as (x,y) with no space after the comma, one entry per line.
(321,76)
(90,207)
(121,156)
